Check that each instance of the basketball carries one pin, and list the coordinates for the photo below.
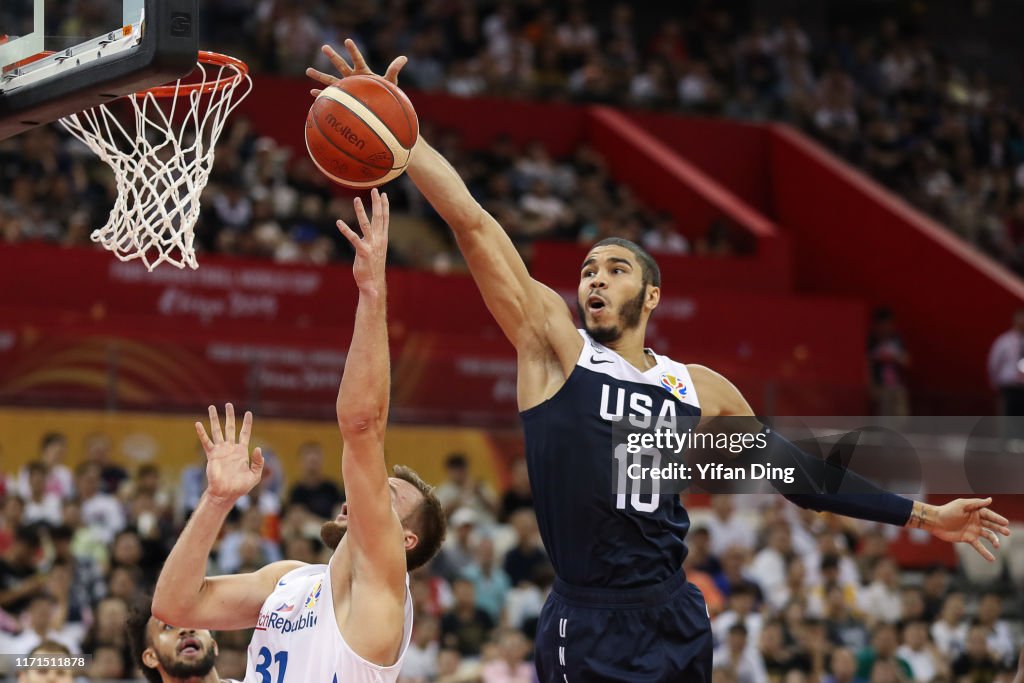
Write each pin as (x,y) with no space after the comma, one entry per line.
(361,131)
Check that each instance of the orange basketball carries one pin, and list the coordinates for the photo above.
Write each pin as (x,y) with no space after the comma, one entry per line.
(361,131)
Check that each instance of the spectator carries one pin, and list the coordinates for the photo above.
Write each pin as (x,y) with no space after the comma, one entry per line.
(460,489)
(19,567)
(53,449)
(527,555)
(41,506)
(917,650)
(843,667)
(46,675)
(889,360)
(230,559)
(950,631)
(97,450)
(935,588)
(109,630)
(511,665)
(457,549)
(519,495)
(40,617)
(420,663)
(884,644)
(880,601)
(1006,367)
(999,637)
(769,565)
(465,626)
(726,528)
(742,604)
(490,583)
(314,490)
(977,660)
(86,584)
(736,655)
(101,512)
(12,516)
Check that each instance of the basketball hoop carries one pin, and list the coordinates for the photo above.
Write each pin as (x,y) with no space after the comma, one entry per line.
(163,163)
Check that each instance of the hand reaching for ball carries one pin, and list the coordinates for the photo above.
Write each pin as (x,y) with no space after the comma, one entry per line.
(358,67)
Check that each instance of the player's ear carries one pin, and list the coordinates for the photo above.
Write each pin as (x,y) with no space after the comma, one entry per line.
(149,658)
(653,297)
(411,540)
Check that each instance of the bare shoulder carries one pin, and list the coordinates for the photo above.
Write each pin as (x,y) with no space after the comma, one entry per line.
(718,396)
(275,571)
(560,334)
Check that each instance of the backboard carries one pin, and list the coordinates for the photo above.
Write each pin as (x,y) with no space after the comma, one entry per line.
(58,58)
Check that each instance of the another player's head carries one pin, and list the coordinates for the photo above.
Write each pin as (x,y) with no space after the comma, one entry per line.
(165,652)
(416,504)
(43,649)
(620,286)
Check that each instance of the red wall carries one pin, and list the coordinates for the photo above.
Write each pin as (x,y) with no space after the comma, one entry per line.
(734,154)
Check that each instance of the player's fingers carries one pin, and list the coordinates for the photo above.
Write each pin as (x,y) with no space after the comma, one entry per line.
(256,461)
(364,221)
(378,212)
(972,504)
(243,436)
(996,527)
(991,516)
(386,206)
(215,432)
(982,550)
(229,423)
(394,68)
(358,63)
(350,235)
(315,92)
(204,437)
(321,77)
(337,60)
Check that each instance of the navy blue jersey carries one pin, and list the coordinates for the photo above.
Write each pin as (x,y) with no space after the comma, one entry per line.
(594,536)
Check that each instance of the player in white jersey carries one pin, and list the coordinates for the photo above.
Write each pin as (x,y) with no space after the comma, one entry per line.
(349,621)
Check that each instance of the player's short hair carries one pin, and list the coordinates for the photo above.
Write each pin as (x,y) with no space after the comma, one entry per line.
(138,635)
(648,266)
(427,521)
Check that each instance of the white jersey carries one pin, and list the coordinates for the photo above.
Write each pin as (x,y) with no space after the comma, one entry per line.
(297,639)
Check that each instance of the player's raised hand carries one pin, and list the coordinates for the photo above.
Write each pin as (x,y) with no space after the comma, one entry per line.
(230,470)
(372,248)
(357,68)
(968,520)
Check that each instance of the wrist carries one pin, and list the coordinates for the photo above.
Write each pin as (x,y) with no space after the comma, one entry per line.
(922,516)
(223,503)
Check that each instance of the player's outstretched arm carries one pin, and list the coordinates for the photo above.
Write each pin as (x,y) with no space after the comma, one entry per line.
(965,520)
(532,316)
(184,596)
(374,529)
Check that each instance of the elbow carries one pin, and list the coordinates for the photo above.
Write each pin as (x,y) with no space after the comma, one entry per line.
(166,609)
(355,424)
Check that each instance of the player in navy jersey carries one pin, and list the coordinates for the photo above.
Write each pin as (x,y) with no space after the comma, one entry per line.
(621,608)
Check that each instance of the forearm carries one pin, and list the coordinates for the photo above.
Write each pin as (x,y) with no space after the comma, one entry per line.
(444,189)
(183,575)
(366,382)
(827,487)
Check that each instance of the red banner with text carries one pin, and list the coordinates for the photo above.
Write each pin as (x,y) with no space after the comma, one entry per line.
(80,328)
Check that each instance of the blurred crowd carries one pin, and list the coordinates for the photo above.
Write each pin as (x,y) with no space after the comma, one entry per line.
(794,597)
(950,142)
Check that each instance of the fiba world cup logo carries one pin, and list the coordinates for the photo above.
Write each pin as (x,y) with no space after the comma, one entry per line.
(314,594)
(674,385)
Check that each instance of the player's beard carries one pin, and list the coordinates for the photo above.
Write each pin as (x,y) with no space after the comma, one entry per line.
(629,315)
(331,533)
(193,669)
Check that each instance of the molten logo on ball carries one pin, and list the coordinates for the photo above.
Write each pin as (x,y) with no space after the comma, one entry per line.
(345,131)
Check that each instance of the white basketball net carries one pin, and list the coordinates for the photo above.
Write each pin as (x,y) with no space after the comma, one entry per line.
(161,163)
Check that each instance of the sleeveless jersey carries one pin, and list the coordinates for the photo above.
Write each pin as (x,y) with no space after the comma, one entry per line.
(594,536)
(297,638)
